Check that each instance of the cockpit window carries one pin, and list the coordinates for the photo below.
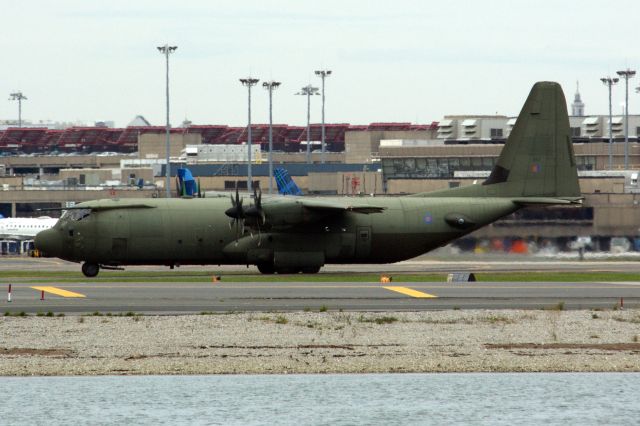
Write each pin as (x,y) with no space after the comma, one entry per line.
(76,214)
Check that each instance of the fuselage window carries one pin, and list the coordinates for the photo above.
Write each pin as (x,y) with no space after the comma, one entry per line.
(76,215)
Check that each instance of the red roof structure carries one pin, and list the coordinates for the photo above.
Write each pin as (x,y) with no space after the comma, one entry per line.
(96,139)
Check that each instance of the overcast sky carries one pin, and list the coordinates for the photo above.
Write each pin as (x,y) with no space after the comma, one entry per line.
(391,60)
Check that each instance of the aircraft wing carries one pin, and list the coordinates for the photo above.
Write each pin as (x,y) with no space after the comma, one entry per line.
(297,210)
(339,206)
(106,204)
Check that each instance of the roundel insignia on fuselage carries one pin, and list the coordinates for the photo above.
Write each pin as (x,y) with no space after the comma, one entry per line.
(428,219)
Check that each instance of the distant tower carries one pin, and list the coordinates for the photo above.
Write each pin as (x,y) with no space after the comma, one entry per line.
(577,107)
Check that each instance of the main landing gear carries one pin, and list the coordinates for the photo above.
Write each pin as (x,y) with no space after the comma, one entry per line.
(90,270)
(269,269)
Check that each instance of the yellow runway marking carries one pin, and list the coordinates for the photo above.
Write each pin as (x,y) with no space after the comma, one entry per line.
(411,292)
(59,291)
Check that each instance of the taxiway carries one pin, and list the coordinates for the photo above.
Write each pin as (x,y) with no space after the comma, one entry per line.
(220,297)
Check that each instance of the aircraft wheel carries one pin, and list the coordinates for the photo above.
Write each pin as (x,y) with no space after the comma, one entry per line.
(311,270)
(90,269)
(266,268)
(286,271)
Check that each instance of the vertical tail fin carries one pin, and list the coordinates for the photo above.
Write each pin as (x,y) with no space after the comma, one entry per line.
(537,159)
(286,185)
(187,186)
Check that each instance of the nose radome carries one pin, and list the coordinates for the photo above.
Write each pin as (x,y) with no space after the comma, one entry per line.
(48,243)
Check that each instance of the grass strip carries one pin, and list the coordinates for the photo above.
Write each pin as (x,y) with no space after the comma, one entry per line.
(206,276)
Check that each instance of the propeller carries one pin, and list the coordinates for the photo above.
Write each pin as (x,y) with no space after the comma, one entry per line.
(255,211)
(254,214)
(236,213)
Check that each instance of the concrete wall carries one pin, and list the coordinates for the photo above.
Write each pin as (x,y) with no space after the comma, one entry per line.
(217,183)
(145,173)
(10,182)
(91,176)
(154,145)
(62,162)
(354,183)
(359,145)
(301,157)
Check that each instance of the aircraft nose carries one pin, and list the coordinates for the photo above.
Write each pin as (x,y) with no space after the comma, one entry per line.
(48,243)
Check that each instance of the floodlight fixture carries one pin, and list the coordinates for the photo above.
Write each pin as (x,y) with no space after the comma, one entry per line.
(166,50)
(249,82)
(308,91)
(271,86)
(323,74)
(18,96)
(609,82)
(626,74)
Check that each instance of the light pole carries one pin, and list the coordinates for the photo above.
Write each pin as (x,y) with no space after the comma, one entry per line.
(18,96)
(608,81)
(626,74)
(166,50)
(271,86)
(307,91)
(249,82)
(323,74)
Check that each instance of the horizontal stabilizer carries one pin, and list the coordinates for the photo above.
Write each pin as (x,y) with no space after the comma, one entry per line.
(536,201)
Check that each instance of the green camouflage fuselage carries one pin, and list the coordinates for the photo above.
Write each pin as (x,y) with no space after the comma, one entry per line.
(196,231)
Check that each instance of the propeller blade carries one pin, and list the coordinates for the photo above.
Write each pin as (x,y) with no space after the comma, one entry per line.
(237,226)
(255,211)
(235,211)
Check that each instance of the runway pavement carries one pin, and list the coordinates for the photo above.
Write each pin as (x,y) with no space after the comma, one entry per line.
(220,297)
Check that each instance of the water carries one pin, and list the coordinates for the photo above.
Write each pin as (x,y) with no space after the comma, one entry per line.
(371,399)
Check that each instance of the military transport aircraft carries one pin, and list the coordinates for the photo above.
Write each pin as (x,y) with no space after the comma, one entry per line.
(301,234)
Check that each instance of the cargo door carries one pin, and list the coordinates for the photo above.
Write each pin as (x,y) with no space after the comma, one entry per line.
(147,235)
(119,235)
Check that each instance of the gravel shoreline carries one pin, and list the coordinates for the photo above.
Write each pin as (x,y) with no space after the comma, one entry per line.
(322,342)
